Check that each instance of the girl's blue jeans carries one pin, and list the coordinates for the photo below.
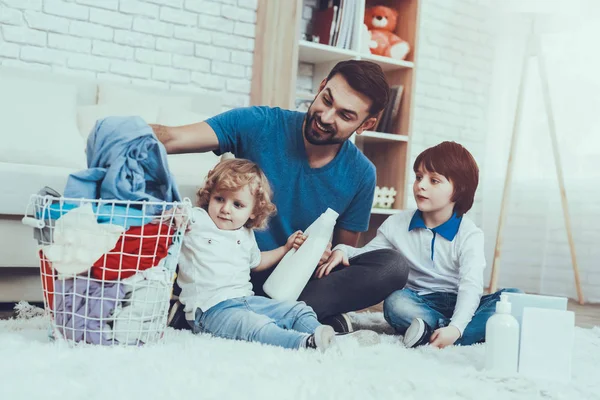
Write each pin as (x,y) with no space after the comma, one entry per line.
(258,319)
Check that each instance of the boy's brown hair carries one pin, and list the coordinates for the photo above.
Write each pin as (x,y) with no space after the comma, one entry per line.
(453,161)
(234,174)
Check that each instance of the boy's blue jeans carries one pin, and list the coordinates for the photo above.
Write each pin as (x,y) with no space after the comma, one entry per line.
(258,319)
(436,309)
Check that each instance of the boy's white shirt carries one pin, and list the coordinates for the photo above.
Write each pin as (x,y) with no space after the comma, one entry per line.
(214,264)
(457,265)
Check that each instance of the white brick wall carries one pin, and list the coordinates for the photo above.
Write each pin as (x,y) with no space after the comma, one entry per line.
(184,44)
(453,76)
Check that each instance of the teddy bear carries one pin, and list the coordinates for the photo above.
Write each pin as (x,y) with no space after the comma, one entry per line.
(381,22)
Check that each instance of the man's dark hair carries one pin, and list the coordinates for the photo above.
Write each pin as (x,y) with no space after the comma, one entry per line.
(367,78)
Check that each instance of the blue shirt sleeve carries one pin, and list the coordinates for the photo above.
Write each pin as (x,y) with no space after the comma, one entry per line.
(357,215)
(238,128)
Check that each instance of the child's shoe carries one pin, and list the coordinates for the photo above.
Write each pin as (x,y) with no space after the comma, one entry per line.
(417,334)
(321,339)
(176,318)
(340,323)
(363,337)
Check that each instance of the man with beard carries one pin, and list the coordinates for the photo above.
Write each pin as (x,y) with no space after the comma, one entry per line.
(311,166)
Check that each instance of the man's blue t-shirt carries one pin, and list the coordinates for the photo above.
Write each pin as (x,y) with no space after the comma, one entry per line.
(273,139)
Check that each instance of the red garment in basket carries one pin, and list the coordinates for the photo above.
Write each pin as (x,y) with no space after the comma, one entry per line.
(47,280)
(139,248)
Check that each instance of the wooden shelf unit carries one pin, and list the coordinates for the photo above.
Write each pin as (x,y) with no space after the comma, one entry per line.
(279,49)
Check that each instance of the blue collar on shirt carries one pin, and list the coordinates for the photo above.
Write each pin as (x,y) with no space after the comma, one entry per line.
(448,229)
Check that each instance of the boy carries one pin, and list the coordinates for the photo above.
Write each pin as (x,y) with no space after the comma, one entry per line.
(442,303)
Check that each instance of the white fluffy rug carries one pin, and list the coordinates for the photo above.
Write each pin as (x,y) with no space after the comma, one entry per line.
(201,367)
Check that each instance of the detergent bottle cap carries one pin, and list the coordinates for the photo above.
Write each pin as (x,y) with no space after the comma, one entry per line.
(503,306)
(329,213)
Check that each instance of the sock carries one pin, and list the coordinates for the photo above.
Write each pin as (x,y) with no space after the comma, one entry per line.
(310,342)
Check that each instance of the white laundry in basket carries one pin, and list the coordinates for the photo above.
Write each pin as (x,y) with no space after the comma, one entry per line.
(143,313)
(79,240)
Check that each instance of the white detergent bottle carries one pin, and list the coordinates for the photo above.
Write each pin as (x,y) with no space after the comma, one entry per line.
(502,340)
(292,273)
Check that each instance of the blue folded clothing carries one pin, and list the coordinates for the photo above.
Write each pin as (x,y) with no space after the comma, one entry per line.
(125,162)
(106,214)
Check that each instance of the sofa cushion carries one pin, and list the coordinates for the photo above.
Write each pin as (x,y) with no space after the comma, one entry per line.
(88,115)
(110,93)
(39,123)
(25,180)
(174,116)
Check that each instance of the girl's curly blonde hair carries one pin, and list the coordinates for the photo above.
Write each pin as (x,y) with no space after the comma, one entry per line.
(234,174)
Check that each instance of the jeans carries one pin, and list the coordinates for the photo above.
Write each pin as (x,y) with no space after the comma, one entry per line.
(436,309)
(258,319)
(370,278)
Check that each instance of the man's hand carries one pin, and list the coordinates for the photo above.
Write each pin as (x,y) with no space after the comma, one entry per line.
(443,337)
(160,131)
(295,240)
(334,260)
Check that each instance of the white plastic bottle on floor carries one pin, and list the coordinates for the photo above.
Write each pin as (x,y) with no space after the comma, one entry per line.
(292,273)
(502,340)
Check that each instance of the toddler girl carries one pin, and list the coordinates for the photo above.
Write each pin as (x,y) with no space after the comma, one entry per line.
(217,255)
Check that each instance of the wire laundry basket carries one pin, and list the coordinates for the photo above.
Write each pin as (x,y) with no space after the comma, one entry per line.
(107,266)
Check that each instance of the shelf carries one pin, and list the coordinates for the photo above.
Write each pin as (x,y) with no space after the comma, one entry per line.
(371,136)
(317,53)
(384,211)
(387,63)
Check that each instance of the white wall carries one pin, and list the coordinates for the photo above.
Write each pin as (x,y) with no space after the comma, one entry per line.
(535,254)
(453,74)
(195,44)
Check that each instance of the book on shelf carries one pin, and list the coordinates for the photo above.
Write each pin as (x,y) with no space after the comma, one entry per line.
(335,23)
(323,23)
(391,112)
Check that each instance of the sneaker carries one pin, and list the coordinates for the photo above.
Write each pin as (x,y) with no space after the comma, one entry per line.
(363,337)
(340,323)
(417,334)
(176,319)
(321,339)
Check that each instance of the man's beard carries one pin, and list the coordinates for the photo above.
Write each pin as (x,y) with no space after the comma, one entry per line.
(318,138)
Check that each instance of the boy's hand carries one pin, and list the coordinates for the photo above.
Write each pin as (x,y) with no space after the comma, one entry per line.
(335,259)
(443,337)
(326,255)
(295,240)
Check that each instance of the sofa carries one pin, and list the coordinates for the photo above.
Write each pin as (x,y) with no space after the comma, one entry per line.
(45,119)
